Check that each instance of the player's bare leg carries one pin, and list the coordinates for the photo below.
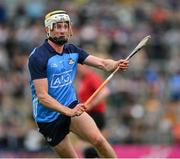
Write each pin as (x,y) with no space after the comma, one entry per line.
(85,127)
(65,149)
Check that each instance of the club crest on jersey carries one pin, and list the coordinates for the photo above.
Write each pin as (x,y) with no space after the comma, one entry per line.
(71,61)
(62,79)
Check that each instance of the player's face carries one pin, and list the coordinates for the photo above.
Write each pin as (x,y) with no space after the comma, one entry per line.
(60,29)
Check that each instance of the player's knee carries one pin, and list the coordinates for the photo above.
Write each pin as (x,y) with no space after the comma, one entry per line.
(98,141)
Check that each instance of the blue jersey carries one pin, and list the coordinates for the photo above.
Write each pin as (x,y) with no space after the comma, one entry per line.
(60,70)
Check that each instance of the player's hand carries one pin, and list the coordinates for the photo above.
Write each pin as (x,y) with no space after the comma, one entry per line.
(123,64)
(78,110)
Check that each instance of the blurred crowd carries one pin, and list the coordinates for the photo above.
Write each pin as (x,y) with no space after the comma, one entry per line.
(144,105)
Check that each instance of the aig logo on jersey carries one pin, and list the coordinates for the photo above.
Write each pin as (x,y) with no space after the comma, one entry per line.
(62,79)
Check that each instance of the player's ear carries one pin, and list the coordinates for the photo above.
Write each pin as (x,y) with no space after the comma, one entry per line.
(46,30)
(70,29)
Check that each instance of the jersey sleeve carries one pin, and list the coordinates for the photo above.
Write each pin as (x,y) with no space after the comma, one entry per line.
(82,55)
(37,68)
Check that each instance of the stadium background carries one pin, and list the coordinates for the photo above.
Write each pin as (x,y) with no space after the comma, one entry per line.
(144,107)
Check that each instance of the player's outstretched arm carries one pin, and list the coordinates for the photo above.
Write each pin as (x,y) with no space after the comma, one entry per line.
(106,64)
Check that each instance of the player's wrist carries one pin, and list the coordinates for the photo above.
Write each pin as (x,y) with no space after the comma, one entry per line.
(67,111)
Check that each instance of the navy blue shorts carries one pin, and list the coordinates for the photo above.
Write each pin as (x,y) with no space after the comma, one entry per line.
(54,132)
